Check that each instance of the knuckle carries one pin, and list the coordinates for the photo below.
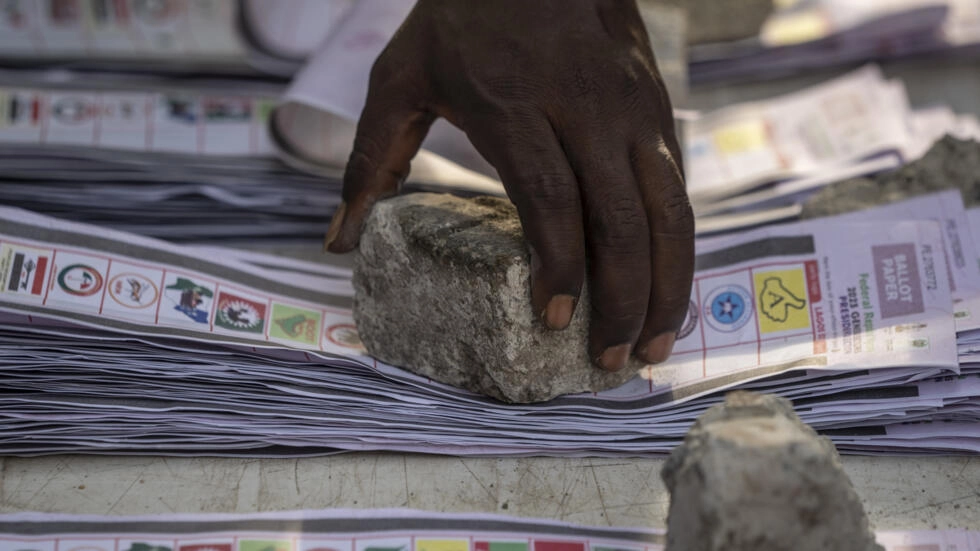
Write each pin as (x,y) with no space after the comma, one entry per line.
(674,304)
(634,96)
(382,70)
(565,269)
(358,173)
(675,215)
(507,113)
(396,81)
(510,88)
(622,312)
(551,191)
(674,151)
(619,223)
(581,88)
(363,171)
(366,152)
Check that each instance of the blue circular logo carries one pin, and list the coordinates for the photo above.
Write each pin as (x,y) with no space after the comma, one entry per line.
(728,308)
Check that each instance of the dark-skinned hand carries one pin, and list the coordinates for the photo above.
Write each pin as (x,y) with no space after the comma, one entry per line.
(564,99)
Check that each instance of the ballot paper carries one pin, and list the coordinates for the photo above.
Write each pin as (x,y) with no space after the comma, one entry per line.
(177,163)
(770,300)
(209,161)
(807,34)
(113,343)
(340,37)
(811,294)
(742,147)
(312,122)
(830,126)
(169,35)
(179,122)
(961,258)
(366,530)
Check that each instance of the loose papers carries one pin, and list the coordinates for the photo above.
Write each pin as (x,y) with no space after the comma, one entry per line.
(365,530)
(118,344)
(754,163)
(807,34)
(180,164)
(840,122)
(175,35)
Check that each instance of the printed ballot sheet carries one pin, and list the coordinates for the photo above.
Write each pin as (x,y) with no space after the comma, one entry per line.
(117,343)
(814,295)
(825,33)
(221,36)
(122,29)
(947,209)
(220,123)
(789,297)
(365,530)
(826,127)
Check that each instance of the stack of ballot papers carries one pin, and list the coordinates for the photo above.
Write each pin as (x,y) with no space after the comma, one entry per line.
(803,35)
(212,36)
(754,163)
(211,154)
(235,160)
(367,530)
(176,164)
(187,164)
(250,160)
(116,343)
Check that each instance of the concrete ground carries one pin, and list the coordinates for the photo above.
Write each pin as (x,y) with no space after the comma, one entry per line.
(899,493)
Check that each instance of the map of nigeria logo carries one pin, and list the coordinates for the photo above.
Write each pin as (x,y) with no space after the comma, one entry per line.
(728,308)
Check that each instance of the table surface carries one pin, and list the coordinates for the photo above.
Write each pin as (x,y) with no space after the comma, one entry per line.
(899,493)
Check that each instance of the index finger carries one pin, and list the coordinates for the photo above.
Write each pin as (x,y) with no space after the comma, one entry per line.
(390,132)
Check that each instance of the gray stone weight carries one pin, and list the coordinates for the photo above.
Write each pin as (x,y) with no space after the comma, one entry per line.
(950,163)
(443,290)
(750,476)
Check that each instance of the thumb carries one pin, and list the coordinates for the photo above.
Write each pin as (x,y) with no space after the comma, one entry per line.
(389,134)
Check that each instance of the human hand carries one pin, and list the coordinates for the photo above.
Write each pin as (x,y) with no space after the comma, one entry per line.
(564,99)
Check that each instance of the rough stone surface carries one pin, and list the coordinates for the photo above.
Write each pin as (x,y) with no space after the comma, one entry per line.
(443,290)
(750,476)
(950,163)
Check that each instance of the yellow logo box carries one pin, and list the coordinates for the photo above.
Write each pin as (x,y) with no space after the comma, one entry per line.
(781,300)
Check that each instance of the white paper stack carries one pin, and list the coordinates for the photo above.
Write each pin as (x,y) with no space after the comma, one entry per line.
(212,153)
(215,161)
(754,163)
(174,164)
(113,343)
(802,35)
(182,36)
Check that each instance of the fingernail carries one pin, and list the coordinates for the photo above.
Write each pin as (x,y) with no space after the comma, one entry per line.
(659,349)
(335,225)
(614,358)
(558,313)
